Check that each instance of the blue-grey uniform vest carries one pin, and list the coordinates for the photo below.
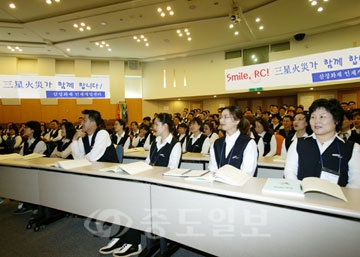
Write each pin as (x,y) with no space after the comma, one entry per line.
(337,154)
(197,146)
(161,157)
(110,152)
(235,157)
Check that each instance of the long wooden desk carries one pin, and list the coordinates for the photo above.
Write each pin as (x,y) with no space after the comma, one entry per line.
(214,217)
(194,161)
(268,167)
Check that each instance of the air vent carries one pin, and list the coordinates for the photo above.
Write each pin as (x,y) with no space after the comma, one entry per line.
(133,64)
(280,46)
(233,54)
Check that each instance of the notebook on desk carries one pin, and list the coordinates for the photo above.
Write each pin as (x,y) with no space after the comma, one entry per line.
(129,168)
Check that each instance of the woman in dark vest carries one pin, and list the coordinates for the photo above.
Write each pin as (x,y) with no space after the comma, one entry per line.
(63,148)
(300,124)
(120,136)
(164,151)
(324,154)
(32,144)
(139,140)
(236,148)
(197,142)
(258,139)
(12,140)
(262,129)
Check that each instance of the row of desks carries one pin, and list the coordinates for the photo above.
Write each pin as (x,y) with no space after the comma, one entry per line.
(268,167)
(214,217)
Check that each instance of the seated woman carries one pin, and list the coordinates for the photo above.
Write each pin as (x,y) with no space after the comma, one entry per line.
(236,148)
(12,140)
(300,127)
(182,132)
(63,148)
(258,139)
(324,154)
(139,140)
(209,131)
(262,129)
(197,142)
(120,137)
(33,144)
(164,151)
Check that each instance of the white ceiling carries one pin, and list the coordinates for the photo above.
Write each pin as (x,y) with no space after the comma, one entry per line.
(40,29)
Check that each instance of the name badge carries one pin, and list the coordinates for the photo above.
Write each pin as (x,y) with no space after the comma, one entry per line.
(329,175)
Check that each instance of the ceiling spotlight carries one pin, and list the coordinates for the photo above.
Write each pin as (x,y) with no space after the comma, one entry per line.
(12,6)
(168,10)
(82,26)
(50,2)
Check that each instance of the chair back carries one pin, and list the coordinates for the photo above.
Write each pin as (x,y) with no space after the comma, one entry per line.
(279,142)
(120,152)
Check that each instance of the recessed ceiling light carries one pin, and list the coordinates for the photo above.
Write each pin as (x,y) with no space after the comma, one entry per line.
(313,3)
(261,27)
(103,23)
(12,5)
(257,19)
(320,9)
(68,49)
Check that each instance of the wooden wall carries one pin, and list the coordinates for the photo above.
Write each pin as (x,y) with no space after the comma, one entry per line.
(33,109)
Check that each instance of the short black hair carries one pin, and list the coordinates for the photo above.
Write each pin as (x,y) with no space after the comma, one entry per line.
(93,116)
(333,106)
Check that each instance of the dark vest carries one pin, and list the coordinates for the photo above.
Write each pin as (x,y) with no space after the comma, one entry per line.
(355,137)
(197,146)
(54,134)
(61,147)
(309,158)
(288,141)
(161,157)
(122,140)
(30,149)
(267,139)
(235,157)
(256,137)
(110,152)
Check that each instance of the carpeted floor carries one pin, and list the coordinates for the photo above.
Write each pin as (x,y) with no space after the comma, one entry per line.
(66,237)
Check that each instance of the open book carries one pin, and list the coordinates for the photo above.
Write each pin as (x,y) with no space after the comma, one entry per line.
(72,164)
(130,168)
(226,174)
(185,173)
(300,188)
(10,156)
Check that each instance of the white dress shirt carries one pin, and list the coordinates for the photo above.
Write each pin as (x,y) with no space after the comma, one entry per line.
(102,141)
(272,151)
